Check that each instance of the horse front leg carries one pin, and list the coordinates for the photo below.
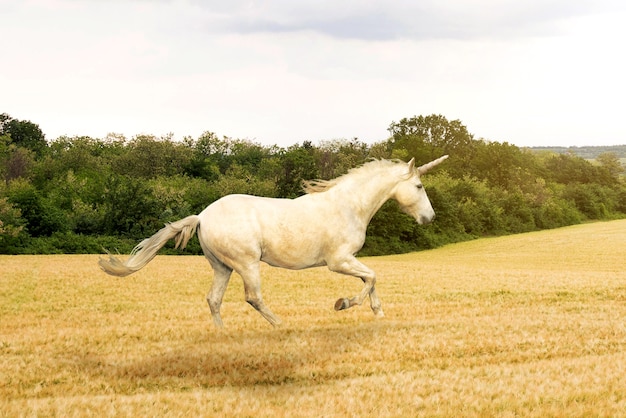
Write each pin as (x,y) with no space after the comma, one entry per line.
(353,267)
(376,304)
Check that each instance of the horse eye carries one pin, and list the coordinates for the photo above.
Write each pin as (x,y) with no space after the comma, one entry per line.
(420,186)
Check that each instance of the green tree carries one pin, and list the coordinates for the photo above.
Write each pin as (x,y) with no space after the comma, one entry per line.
(504,165)
(42,217)
(15,162)
(298,163)
(11,226)
(10,222)
(209,157)
(23,133)
(434,133)
(149,157)
(171,195)
(337,157)
(429,137)
(81,197)
(238,180)
(130,207)
(569,168)
(611,164)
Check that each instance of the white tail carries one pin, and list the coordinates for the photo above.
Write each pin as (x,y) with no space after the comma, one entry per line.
(145,251)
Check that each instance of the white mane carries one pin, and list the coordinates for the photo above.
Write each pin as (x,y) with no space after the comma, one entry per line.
(365,171)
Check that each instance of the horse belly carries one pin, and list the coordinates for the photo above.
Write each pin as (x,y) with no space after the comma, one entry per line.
(237,228)
(284,233)
(292,254)
(288,242)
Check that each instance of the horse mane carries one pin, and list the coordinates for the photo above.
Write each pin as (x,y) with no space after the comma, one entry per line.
(364,170)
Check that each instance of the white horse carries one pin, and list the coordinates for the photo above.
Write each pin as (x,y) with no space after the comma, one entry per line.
(326,226)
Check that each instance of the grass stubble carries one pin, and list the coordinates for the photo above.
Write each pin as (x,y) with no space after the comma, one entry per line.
(525,325)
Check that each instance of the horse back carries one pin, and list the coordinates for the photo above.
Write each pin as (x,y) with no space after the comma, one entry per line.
(290,233)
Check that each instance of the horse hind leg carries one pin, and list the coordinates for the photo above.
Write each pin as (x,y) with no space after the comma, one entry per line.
(215,296)
(252,286)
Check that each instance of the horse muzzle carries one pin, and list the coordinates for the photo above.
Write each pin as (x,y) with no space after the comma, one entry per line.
(425,220)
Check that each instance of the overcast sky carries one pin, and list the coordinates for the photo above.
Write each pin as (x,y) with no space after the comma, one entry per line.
(529,72)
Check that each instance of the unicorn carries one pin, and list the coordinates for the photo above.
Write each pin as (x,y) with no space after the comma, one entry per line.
(324,227)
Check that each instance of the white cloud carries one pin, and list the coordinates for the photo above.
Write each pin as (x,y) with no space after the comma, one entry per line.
(401,19)
(283,71)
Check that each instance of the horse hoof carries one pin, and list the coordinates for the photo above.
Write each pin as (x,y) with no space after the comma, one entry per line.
(342,304)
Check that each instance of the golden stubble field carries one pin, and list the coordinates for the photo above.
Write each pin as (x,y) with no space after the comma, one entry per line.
(526,325)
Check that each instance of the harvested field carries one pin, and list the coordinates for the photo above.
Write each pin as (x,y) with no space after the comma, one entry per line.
(525,325)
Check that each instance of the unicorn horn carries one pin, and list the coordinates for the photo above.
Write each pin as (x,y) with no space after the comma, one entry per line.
(426,167)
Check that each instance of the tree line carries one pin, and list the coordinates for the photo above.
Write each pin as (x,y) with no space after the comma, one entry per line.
(587,152)
(83,194)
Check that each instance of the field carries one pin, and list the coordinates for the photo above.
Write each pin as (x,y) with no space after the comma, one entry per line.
(526,325)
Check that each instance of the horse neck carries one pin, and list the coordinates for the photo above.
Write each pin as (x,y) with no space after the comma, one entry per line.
(366,195)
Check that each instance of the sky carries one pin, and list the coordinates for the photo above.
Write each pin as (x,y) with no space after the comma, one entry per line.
(279,72)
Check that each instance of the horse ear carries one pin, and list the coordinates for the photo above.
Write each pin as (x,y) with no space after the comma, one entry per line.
(411,165)
(424,168)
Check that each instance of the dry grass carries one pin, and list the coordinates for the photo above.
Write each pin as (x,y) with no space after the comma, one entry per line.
(527,325)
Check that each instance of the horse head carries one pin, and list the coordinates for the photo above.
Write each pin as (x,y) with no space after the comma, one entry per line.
(411,195)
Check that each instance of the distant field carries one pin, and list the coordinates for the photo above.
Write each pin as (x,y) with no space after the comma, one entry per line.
(530,325)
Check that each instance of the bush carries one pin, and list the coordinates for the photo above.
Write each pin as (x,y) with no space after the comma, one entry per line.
(592,200)
(41,216)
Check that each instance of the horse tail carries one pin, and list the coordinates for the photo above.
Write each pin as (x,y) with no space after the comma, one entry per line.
(145,251)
